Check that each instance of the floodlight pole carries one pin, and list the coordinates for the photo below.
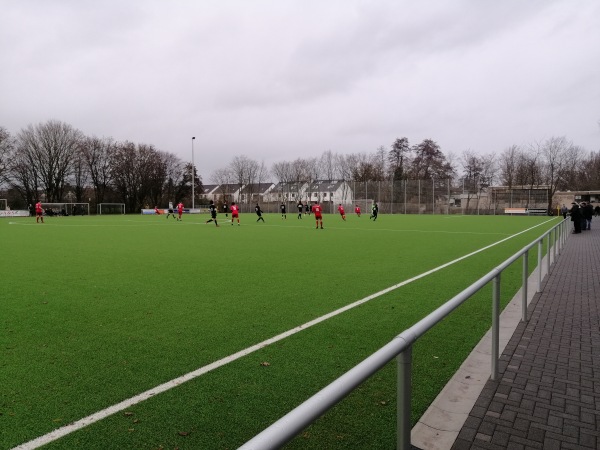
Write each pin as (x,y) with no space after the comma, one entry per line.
(193,181)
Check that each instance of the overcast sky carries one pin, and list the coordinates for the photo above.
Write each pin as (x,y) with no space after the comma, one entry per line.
(277,80)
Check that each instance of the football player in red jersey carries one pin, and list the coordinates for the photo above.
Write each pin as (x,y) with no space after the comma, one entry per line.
(342,212)
(39,212)
(235,213)
(316,208)
(179,210)
(357,210)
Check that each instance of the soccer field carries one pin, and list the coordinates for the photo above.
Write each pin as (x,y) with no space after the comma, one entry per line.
(97,310)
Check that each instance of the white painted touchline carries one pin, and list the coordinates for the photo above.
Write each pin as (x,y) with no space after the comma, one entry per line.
(81,423)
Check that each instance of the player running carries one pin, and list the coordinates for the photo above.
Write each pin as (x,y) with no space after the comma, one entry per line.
(170,211)
(39,212)
(342,212)
(300,207)
(316,208)
(375,211)
(258,213)
(156,211)
(357,210)
(213,213)
(179,211)
(235,213)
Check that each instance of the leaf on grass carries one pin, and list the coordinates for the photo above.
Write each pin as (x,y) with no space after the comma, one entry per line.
(128,413)
(436,357)
(265,364)
(57,420)
(131,430)
(383,403)
(136,420)
(183,433)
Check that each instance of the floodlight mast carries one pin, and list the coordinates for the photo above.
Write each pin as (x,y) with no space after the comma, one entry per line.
(193,180)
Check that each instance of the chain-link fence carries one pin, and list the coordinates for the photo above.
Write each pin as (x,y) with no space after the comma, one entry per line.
(419,197)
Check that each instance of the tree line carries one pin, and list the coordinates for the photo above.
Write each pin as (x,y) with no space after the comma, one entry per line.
(59,161)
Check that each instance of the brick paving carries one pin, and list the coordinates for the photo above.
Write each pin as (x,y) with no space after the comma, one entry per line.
(548,393)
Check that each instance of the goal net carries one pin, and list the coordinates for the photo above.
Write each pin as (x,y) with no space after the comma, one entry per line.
(66,209)
(111,208)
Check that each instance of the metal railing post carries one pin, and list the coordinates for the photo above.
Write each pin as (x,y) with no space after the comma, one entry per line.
(554,244)
(548,253)
(403,400)
(539,265)
(495,326)
(524,288)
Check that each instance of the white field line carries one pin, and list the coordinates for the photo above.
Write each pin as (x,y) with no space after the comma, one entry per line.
(81,423)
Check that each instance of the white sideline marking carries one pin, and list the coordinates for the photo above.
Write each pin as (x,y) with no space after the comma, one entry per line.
(102,414)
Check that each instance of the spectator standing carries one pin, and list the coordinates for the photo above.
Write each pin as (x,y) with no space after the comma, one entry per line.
(575,217)
(588,213)
(564,211)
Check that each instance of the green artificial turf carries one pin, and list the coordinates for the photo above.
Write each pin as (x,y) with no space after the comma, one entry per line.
(95,310)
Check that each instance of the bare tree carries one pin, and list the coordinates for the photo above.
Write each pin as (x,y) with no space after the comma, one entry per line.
(97,153)
(22,175)
(559,154)
(6,147)
(80,174)
(51,148)
(175,182)
(472,171)
(398,158)
(508,165)
(379,160)
(282,171)
(139,174)
(429,162)
(327,164)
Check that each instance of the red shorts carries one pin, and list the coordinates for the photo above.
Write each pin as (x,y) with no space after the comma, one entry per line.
(318,216)
(234,216)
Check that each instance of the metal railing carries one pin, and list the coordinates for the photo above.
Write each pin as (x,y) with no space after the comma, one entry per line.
(287,427)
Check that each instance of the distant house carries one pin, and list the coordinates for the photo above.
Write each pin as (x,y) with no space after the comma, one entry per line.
(255,192)
(287,192)
(208,191)
(220,192)
(332,191)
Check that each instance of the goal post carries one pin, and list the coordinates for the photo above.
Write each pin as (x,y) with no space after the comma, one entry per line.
(111,208)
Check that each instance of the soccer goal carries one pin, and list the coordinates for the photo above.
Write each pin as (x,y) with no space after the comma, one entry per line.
(111,208)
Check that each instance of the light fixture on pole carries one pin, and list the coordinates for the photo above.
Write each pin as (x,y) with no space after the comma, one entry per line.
(193,181)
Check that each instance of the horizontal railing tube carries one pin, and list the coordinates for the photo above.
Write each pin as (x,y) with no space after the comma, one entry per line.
(287,427)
